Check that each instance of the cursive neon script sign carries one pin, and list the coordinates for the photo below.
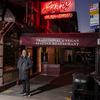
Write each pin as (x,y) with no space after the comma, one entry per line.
(57,7)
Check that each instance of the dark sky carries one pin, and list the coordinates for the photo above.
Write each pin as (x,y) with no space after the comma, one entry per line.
(82,8)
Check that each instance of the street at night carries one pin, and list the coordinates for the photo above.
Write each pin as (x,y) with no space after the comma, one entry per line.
(50,49)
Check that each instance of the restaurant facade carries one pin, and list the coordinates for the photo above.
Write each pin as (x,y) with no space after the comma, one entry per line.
(51,53)
(55,45)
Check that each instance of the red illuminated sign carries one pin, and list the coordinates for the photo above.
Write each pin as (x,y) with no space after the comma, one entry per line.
(57,7)
(57,16)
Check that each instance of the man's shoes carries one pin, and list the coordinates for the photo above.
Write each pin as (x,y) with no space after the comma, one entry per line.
(29,95)
(26,94)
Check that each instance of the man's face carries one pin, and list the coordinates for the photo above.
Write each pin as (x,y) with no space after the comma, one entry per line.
(24,53)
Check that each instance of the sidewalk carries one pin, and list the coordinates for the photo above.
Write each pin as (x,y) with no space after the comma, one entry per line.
(54,94)
(42,88)
(5,97)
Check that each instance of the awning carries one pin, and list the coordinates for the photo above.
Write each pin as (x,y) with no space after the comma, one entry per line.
(68,40)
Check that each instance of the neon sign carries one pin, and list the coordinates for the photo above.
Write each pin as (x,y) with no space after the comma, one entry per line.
(58,16)
(57,7)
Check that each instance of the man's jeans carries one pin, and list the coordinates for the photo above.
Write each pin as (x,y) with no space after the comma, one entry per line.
(26,86)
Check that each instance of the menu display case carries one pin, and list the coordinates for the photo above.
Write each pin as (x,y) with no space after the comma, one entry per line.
(9,58)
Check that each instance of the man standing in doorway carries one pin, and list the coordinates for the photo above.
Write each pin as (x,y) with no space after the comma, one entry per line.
(24,64)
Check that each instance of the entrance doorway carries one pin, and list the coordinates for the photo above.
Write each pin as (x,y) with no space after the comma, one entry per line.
(34,56)
(54,60)
(65,55)
(68,57)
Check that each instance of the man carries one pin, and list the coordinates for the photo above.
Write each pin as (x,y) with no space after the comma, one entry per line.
(24,65)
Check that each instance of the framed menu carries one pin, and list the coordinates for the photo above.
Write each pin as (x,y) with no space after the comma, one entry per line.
(1,61)
(1,50)
(1,81)
(1,72)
